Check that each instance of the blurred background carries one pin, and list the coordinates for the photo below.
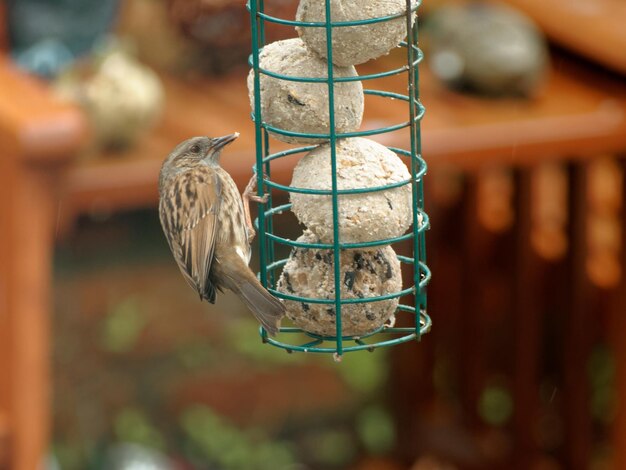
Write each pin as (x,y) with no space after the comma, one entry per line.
(109,361)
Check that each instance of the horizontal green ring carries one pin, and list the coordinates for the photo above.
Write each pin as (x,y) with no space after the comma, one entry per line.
(333,24)
(345,349)
(425,225)
(328,192)
(425,326)
(364,300)
(380,130)
(356,78)
(345,135)
(342,246)
(308,148)
(394,295)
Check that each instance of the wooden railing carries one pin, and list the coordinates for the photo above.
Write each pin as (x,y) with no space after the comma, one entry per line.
(38,135)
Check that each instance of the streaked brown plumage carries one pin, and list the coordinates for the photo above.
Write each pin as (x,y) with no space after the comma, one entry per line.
(203,219)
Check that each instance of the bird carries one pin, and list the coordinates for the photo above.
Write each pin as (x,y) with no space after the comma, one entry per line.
(208,227)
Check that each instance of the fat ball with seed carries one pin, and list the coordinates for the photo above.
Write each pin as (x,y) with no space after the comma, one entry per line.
(353,45)
(365,273)
(301,106)
(364,217)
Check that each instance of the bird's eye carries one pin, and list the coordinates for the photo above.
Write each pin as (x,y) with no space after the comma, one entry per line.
(195,149)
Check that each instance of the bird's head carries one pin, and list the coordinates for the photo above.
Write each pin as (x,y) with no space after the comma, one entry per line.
(194,152)
(198,151)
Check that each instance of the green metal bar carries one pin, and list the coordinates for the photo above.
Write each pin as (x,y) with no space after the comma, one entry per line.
(422,235)
(425,225)
(269,227)
(262,207)
(287,153)
(399,152)
(423,266)
(408,335)
(424,279)
(416,117)
(337,24)
(333,165)
(344,135)
(311,344)
(328,192)
(357,78)
(258,135)
(342,301)
(344,246)
(414,189)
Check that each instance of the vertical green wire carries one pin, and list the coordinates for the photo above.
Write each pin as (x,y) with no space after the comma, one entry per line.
(270,220)
(269,227)
(420,202)
(414,130)
(333,165)
(258,131)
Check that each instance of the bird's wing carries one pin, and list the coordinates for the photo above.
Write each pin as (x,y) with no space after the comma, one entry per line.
(188,212)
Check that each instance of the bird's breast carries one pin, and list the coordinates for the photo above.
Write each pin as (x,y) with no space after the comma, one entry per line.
(232,233)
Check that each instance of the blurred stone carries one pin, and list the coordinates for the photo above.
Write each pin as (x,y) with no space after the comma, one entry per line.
(491,49)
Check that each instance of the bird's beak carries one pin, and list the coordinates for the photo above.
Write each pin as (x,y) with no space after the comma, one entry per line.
(223,141)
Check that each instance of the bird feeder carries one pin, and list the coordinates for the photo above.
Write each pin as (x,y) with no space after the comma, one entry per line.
(337,244)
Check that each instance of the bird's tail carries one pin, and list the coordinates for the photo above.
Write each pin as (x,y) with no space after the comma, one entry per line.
(267,309)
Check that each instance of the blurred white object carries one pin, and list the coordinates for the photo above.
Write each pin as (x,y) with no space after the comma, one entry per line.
(492,49)
(136,457)
(122,97)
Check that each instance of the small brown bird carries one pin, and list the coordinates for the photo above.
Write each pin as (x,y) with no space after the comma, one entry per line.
(208,229)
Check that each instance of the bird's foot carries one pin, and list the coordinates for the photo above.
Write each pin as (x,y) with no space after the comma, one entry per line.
(250,190)
(250,232)
(247,196)
(262,199)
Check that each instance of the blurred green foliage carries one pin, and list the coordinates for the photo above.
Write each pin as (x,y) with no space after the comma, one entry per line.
(331,447)
(601,375)
(133,425)
(376,429)
(213,440)
(123,324)
(365,373)
(496,404)
(243,336)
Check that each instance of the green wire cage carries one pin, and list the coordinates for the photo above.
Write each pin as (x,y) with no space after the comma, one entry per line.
(412,298)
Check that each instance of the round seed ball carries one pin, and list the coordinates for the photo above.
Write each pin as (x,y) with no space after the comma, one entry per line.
(353,45)
(301,106)
(361,163)
(365,273)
